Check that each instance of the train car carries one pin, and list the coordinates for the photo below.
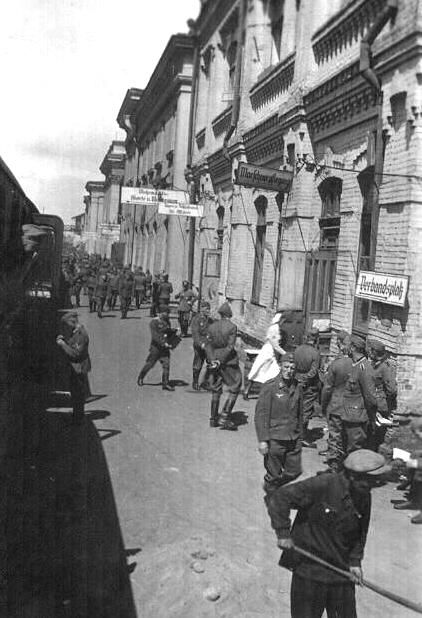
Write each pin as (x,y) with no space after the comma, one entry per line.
(31,291)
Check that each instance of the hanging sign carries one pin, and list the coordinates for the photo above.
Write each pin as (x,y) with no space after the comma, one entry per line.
(139,195)
(177,203)
(263,177)
(382,287)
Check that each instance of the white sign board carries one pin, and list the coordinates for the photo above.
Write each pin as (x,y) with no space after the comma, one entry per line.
(139,195)
(382,287)
(183,209)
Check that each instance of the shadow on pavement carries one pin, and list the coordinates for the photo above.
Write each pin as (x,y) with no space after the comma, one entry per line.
(77,567)
(178,383)
(239,418)
(108,433)
(95,415)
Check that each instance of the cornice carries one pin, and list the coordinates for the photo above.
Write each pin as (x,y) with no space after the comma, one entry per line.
(339,103)
(345,28)
(220,168)
(200,138)
(273,83)
(221,123)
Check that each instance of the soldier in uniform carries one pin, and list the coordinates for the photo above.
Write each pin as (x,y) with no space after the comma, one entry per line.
(161,336)
(384,377)
(148,284)
(165,291)
(185,298)
(224,367)
(155,290)
(91,285)
(125,292)
(200,325)
(307,360)
(278,427)
(113,290)
(76,288)
(101,292)
(359,399)
(332,401)
(74,343)
(140,282)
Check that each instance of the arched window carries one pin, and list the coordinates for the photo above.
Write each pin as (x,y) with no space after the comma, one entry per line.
(261,229)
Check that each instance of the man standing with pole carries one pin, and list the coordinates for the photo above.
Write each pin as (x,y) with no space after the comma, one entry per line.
(324,548)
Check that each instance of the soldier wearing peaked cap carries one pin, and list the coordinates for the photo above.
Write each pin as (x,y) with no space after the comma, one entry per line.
(200,325)
(384,378)
(224,367)
(333,512)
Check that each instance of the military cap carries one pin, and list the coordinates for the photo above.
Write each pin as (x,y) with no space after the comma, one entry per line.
(205,305)
(364,461)
(416,424)
(225,310)
(358,342)
(377,346)
(288,357)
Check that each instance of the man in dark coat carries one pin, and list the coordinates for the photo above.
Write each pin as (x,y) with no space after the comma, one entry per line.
(101,292)
(307,360)
(140,283)
(359,399)
(125,292)
(113,289)
(332,401)
(384,378)
(165,291)
(155,291)
(185,298)
(75,342)
(162,336)
(200,325)
(332,523)
(91,285)
(224,367)
(278,427)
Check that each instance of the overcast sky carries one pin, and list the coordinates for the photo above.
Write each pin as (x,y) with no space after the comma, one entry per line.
(66,66)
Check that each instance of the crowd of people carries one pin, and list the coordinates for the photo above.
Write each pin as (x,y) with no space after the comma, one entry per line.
(355,392)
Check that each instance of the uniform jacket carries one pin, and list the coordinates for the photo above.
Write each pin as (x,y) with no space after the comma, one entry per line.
(113,283)
(165,290)
(160,332)
(101,287)
(221,342)
(199,327)
(140,281)
(307,364)
(125,286)
(385,386)
(92,282)
(76,350)
(330,523)
(277,412)
(360,400)
(332,395)
(186,298)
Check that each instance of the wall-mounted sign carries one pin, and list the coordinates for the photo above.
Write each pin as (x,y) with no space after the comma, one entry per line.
(183,209)
(382,287)
(263,177)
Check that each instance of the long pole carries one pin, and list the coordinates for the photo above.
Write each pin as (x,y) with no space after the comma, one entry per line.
(416,607)
(133,235)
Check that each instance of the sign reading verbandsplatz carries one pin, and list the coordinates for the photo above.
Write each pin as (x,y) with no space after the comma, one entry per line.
(169,202)
(263,177)
(382,287)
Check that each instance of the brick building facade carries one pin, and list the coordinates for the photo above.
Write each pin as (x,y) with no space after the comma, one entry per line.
(280,85)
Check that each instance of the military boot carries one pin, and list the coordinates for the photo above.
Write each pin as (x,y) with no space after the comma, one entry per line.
(215,402)
(224,421)
(166,384)
(195,379)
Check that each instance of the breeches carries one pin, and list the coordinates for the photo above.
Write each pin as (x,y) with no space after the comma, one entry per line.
(157,354)
(283,462)
(344,437)
(184,321)
(230,375)
(199,358)
(78,391)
